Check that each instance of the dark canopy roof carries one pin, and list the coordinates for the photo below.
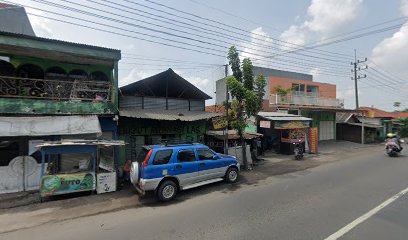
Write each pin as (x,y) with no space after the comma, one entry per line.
(177,86)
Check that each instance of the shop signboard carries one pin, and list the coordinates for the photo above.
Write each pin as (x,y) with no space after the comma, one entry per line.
(106,182)
(219,122)
(291,124)
(265,124)
(67,183)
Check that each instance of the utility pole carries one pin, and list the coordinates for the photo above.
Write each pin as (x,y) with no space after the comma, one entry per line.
(226,109)
(357,68)
(356,77)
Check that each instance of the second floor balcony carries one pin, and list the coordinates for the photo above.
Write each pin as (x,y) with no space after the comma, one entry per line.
(74,90)
(25,95)
(305,100)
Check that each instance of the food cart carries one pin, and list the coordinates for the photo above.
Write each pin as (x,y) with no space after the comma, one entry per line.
(71,166)
(290,132)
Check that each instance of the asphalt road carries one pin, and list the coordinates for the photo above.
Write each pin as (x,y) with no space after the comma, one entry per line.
(311,204)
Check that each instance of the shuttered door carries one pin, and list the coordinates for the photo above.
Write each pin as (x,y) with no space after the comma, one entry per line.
(326,130)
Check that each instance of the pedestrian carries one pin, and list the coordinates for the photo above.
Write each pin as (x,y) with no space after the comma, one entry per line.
(126,170)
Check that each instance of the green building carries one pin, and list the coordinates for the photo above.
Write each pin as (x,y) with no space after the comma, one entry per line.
(160,108)
(52,90)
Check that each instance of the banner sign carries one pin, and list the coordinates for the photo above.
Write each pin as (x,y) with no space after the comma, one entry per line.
(265,124)
(291,124)
(219,122)
(106,182)
(67,183)
(313,140)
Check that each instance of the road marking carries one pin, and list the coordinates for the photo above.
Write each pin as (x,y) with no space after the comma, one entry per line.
(369,214)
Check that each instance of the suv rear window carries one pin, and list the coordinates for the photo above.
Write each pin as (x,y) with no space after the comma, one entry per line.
(162,157)
(142,155)
(186,155)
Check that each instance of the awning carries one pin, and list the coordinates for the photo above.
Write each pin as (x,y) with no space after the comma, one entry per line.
(168,115)
(279,116)
(49,125)
(366,125)
(232,135)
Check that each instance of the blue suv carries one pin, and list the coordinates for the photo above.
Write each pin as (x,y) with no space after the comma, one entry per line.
(167,169)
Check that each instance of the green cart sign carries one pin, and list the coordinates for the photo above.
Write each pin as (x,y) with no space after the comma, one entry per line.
(67,183)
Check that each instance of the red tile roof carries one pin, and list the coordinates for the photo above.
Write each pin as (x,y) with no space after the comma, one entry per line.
(215,109)
(378,113)
(402,114)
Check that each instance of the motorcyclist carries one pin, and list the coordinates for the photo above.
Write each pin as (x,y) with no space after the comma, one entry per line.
(392,138)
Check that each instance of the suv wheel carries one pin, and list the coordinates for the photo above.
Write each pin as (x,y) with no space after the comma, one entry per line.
(231,175)
(167,191)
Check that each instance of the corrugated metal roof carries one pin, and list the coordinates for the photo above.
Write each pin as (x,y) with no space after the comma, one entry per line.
(187,116)
(366,125)
(62,42)
(82,142)
(164,84)
(279,116)
(343,117)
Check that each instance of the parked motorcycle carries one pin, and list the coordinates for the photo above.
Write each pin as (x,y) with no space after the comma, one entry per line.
(298,150)
(393,149)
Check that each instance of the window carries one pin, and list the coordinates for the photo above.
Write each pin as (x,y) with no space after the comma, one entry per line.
(298,89)
(186,155)
(312,91)
(205,154)
(162,157)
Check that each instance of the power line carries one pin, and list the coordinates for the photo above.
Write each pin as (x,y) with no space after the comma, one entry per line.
(115,20)
(214,21)
(145,28)
(223,35)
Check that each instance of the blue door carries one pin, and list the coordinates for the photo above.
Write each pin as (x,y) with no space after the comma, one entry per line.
(186,167)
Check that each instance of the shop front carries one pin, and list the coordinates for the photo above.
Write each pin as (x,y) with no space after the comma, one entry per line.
(77,166)
(291,132)
(281,130)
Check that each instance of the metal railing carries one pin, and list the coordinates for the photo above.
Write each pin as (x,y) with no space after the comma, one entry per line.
(305,101)
(69,89)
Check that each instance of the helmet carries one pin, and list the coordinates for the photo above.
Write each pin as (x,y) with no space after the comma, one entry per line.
(390,135)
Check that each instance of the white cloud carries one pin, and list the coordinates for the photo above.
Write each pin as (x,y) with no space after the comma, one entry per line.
(295,36)
(325,17)
(40,25)
(256,47)
(134,76)
(404,7)
(315,72)
(391,53)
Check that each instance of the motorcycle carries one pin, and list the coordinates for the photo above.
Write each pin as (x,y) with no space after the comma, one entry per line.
(298,150)
(392,149)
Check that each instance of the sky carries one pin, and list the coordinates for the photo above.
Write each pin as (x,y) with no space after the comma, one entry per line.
(316,37)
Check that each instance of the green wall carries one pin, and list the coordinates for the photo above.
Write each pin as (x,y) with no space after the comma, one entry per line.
(131,131)
(318,116)
(45,64)
(31,106)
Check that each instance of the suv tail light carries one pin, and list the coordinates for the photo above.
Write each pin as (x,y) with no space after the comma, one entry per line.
(146,160)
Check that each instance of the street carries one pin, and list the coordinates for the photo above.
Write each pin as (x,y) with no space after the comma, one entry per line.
(311,204)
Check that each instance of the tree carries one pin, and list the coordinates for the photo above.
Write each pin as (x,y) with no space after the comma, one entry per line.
(403,132)
(282,91)
(247,94)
